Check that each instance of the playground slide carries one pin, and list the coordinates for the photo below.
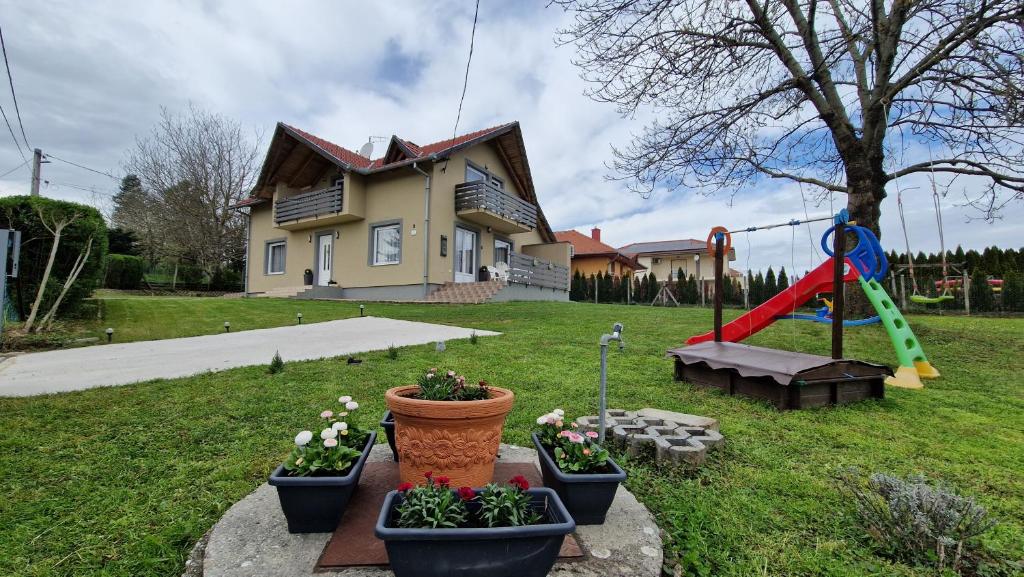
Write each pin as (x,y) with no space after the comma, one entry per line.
(784,303)
(913,363)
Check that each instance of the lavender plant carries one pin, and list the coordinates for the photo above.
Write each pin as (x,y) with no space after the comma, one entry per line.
(915,521)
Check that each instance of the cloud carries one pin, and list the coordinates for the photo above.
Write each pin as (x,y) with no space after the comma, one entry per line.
(91,77)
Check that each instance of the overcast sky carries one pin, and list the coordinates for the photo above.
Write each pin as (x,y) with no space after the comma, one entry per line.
(90,76)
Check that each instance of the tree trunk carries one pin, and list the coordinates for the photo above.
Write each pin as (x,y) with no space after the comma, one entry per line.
(58,230)
(866,182)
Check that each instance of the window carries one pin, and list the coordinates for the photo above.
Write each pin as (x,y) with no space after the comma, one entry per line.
(502,251)
(387,244)
(475,173)
(611,268)
(572,251)
(275,257)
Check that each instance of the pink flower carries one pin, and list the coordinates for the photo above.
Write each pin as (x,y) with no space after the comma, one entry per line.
(565,433)
(586,452)
(575,437)
(451,374)
(592,434)
(330,443)
(326,414)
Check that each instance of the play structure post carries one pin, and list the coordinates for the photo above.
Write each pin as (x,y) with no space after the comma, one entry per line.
(719,247)
(967,293)
(838,270)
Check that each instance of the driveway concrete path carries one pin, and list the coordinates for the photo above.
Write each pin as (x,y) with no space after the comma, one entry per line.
(120,364)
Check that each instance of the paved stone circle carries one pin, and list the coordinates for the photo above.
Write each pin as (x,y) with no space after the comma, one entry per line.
(671,438)
(252,539)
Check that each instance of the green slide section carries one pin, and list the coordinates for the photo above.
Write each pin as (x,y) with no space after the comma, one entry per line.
(908,349)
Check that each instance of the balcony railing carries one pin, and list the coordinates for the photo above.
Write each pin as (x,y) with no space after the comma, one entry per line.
(308,204)
(480,196)
(528,270)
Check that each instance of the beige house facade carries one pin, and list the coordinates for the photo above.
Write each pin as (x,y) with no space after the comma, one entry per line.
(325,221)
(666,257)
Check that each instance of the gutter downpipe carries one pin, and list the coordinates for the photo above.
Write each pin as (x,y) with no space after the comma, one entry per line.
(248,245)
(426,228)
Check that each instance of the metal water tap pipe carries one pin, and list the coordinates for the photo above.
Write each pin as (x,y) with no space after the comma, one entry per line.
(603,403)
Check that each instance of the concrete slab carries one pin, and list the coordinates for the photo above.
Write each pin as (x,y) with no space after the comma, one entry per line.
(252,539)
(120,364)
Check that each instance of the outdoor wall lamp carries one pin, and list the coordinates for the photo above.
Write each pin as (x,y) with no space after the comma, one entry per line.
(110,334)
(227,326)
(444,245)
(299,318)
(361,309)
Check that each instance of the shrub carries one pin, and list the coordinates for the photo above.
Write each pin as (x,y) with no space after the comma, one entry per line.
(917,522)
(124,272)
(276,364)
(392,352)
(22,213)
(473,338)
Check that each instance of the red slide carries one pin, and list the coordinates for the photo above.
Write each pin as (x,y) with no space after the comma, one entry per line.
(784,303)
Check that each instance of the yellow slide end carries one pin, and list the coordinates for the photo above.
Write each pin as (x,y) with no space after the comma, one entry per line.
(925,370)
(905,378)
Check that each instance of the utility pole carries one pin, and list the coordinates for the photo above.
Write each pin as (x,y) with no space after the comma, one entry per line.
(37,160)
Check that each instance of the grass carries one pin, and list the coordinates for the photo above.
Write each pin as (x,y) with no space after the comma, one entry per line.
(122,481)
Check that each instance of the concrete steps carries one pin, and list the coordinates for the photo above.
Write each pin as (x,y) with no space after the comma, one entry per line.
(284,292)
(466,292)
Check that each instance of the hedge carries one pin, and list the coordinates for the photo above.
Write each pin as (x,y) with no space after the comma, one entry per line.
(22,213)
(124,272)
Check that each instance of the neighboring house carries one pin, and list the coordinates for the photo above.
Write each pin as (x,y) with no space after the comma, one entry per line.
(665,258)
(591,256)
(402,226)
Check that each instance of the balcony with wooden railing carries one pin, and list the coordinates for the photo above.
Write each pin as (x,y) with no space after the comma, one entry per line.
(532,271)
(312,209)
(487,205)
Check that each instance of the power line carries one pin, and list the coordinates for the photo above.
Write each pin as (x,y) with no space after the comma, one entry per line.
(81,187)
(465,79)
(13,169)
(107,174)
(11,130)
(10,81)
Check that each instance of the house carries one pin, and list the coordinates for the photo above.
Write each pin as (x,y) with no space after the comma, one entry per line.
(665,258)
(418,222)
(591,256)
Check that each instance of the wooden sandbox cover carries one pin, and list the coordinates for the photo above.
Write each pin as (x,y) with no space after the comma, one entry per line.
(788,380)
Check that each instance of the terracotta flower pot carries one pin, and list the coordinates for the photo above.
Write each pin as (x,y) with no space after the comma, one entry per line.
(457,439)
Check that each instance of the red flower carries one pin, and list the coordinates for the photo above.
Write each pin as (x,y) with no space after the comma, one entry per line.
(442,480)
(428,474)
(520,482)
(466,494)
(405,487)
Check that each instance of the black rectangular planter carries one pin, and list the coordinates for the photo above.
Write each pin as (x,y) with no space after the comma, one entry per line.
(586,496)
(499,552)
(316,504)
(387,423)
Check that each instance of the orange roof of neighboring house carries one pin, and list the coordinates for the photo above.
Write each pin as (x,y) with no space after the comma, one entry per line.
(584,245)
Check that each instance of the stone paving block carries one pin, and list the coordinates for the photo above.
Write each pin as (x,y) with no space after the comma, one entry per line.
(672,438)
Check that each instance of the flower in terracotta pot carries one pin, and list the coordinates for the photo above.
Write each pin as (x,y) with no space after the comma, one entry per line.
(448,426)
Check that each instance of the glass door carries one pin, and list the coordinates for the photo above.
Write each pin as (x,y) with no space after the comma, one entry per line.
(465,255)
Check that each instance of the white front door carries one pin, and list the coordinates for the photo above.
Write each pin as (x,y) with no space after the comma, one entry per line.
(465,255)
(324,258)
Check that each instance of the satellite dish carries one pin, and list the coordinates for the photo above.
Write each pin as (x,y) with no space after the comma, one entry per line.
(367,149)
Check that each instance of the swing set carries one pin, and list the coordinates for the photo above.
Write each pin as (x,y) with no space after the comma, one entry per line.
(948,282)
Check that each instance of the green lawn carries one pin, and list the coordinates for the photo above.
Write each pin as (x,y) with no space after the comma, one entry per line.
(122,481)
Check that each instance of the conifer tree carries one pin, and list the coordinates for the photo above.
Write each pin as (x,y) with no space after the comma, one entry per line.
(771,286)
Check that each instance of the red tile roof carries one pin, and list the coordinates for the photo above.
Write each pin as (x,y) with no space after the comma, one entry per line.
(583,245)
(357,160)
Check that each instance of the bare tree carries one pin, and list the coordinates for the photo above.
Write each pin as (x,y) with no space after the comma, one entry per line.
(828,93)
(193,167)
(54,223)
(76,269)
